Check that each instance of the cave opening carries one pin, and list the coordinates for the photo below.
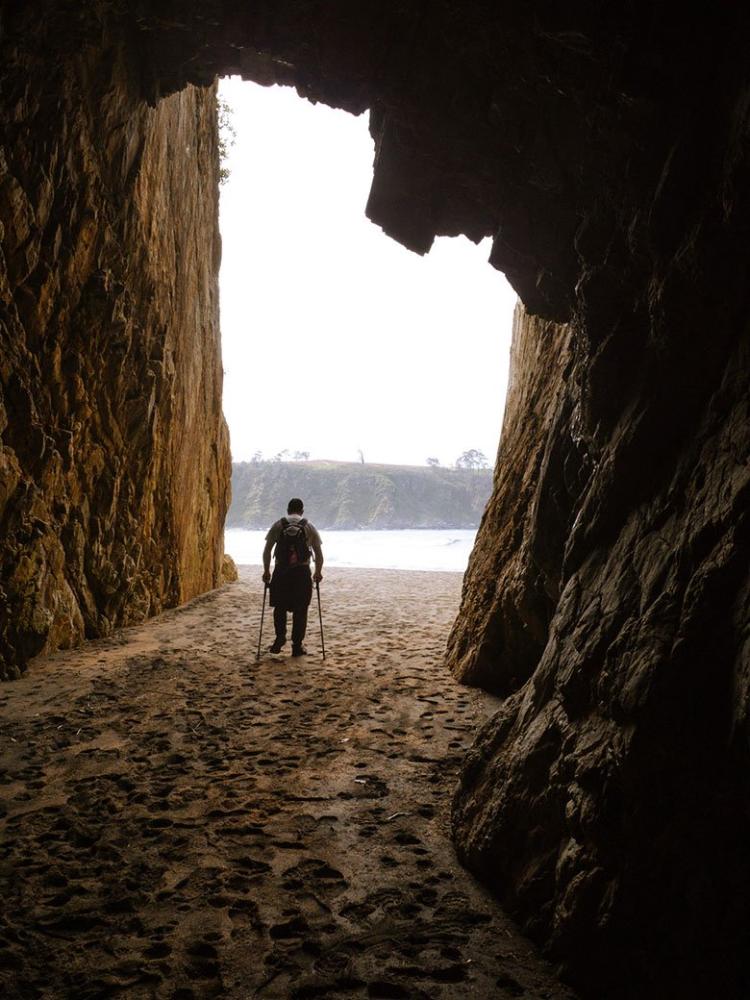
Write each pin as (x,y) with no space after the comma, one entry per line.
(341,347)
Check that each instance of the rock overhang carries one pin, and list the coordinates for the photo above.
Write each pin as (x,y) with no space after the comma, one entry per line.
(515,123)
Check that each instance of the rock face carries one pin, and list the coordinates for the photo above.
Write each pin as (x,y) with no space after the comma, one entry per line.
(114,461)
(605,148)
(512,584)
(606,801)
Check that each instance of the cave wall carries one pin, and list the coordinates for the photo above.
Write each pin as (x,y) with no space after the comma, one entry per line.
(605,150)
(511,587)
(607,801)
(114,461)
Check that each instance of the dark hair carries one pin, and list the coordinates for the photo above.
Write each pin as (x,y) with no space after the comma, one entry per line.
(295,506)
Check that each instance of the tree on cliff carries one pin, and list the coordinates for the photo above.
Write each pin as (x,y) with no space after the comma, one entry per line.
(472,459)
(433,462)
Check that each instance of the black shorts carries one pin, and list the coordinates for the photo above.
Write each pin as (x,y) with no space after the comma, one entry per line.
(291,589)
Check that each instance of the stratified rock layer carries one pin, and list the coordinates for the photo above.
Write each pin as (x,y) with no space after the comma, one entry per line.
(606,149)
(114,462)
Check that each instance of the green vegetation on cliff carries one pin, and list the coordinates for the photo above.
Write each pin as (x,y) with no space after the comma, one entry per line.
(352,495)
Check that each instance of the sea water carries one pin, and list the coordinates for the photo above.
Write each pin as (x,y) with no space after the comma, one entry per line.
(425,549)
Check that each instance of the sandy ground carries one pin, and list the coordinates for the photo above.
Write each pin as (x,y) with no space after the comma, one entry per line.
(180,821)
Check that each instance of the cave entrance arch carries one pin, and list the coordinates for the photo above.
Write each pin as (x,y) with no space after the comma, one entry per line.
(337,340)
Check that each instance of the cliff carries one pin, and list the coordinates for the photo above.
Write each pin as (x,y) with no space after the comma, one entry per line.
(354,495)
(605,600)
(114,462)
(512,583)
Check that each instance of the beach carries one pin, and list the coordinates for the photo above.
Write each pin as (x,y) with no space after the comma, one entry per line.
(440,550)
(180,821)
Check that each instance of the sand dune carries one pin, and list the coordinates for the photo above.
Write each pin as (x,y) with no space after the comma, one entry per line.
(180,821)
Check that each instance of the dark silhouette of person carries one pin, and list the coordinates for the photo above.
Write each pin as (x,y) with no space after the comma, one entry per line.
(294,539)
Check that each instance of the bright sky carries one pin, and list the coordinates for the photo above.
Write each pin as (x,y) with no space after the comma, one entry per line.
(335,337)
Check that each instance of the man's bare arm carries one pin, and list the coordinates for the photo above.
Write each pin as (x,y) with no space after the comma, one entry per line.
(267,561)
(318,556)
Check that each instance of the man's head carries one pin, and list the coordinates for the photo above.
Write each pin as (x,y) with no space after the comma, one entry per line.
(295,506)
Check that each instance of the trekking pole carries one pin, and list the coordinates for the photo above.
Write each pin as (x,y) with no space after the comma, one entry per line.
(262,615)
(320,616)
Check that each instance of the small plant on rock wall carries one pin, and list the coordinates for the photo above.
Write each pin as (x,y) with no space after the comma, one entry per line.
(227,136)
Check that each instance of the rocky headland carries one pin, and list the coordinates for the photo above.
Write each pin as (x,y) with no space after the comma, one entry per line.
(357,495)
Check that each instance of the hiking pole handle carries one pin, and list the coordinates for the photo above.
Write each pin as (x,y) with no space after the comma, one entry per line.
(320,616)
(262,616)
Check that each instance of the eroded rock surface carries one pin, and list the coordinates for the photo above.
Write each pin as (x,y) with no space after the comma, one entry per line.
(511,587)
(607,800)
(114,463)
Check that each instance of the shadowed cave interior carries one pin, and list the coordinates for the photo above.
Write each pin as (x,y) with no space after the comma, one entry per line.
(605,151)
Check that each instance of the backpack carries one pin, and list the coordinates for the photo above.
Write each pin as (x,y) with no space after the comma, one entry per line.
(292,548)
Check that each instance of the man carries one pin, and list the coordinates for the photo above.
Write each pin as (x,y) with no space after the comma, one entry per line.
(291,583)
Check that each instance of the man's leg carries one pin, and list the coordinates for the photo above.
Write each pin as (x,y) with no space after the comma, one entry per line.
(299,627)
(279,624)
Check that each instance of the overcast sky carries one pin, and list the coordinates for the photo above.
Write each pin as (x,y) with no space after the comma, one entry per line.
(335,337)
